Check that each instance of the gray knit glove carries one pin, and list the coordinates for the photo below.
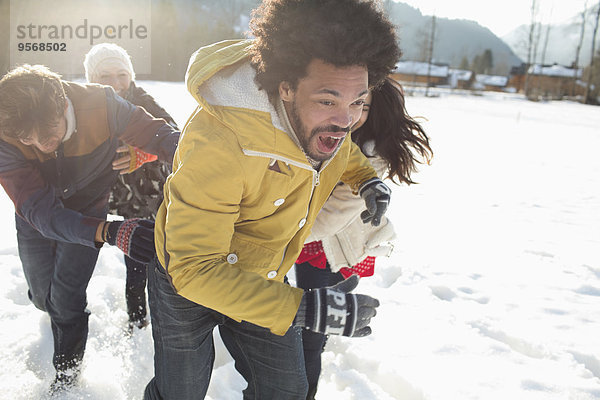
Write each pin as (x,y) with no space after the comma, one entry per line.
(376,195)
(335,311)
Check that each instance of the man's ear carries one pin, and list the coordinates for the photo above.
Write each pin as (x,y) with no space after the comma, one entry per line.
(285,91)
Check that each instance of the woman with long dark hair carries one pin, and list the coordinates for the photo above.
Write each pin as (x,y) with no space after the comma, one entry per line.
(340,244)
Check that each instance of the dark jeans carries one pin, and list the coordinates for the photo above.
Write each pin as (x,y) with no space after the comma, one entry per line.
(58,274)
(309,277)
(135,289)
(184,351)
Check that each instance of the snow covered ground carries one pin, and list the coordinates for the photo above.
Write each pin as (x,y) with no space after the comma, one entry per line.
(492,292)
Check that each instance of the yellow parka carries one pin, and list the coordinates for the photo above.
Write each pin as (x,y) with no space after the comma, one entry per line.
(242,196)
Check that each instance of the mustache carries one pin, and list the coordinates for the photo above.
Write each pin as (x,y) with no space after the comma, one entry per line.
(330,128)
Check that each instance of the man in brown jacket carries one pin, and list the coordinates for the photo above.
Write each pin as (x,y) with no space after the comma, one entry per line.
(58,140)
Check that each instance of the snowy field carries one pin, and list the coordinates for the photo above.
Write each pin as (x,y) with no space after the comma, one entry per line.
(492,292)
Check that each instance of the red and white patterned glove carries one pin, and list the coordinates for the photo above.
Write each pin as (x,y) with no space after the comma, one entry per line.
(139,158)
(135,237)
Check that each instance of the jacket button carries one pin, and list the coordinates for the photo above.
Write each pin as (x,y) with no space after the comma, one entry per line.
(302,222)
(232,258)
(279,202)
(272,274)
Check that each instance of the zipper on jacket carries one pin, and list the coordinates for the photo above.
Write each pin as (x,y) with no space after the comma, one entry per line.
(315,183)
(316,180)
(277,157)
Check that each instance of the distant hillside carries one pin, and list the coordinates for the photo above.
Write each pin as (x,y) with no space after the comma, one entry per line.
(454,39)
(180,27)
(192,23)
(562,41)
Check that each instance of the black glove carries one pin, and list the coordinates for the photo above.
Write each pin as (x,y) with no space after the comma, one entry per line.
(135,237)
(376,195)
(335,311)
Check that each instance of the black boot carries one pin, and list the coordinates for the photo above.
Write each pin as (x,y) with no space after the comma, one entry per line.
(67,376)
(136,309)
(136,323)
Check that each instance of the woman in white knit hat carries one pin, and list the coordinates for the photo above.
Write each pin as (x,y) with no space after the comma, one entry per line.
(138,192)
(109,64)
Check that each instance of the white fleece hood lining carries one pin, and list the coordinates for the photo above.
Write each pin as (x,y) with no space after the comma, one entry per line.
(234,86)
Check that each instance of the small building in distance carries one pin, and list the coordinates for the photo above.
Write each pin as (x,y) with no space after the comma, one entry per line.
(516,78)
(460,78)
(549,81)
(496,83)
(416,73)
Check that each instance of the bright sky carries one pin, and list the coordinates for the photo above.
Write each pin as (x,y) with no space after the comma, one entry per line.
(503,16)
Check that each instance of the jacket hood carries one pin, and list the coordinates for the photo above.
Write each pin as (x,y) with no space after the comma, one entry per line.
(221,80)
(209,60)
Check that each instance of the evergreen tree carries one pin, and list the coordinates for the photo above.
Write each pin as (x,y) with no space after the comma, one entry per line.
(487,61)
(483,63)
(476,65)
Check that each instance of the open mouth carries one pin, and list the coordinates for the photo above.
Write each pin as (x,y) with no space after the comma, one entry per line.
(328,143)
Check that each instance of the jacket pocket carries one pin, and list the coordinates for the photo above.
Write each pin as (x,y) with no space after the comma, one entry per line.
(269,194)
(250,256)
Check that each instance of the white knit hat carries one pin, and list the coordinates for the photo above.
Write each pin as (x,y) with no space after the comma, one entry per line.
(106,53)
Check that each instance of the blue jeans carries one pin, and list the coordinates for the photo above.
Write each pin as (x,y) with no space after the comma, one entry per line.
(57,274)
(309,277)
(184,351)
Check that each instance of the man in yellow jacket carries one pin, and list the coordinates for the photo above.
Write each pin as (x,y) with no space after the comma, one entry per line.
(255,163)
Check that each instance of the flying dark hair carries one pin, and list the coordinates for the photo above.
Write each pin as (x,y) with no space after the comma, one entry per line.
(291,33)
(399,139)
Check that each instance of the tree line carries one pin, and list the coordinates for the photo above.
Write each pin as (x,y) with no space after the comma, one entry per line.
(181,27)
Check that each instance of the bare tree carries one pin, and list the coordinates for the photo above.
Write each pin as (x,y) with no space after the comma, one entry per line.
(430,54)
(536,41)
(530,44)
(545,47)
(578,49)
(591,68)
(424,40)
(547,36)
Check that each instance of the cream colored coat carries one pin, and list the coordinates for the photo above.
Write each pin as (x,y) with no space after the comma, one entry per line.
(242,197)
(346,239)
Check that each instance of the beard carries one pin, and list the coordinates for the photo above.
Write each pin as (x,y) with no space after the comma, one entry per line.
(305,137)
